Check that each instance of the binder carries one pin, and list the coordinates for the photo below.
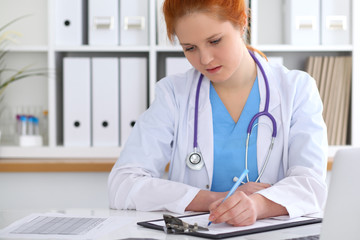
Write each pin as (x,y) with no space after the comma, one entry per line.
(318,63)
(310,65)
(134,18)
(324,77)
(347,96)
(103,22)
(105,101)
(175,65)
(336,98)
(326,91)
(133,93)
(335,16)
(162,39)
(76,85)
(69,22)
(301,22)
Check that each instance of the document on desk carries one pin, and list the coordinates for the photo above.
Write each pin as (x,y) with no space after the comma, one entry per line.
(60,226)
(224,230)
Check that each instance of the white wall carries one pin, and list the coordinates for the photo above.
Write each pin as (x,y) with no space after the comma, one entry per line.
(59,190)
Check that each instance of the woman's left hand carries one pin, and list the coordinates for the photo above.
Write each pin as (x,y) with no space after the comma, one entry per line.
(238,210)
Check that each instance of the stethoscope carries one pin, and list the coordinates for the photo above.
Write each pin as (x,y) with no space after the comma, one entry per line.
(195,161)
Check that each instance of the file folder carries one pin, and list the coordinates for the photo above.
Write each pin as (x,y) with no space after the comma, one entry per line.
(175,65)
(134,18)
(105,101)
(301,23)
(335,16)
(133,92)
(76,86)
(103,22)
(69,22)
(162,39)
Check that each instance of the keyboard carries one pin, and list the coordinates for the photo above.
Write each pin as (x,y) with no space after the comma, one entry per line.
(312,237)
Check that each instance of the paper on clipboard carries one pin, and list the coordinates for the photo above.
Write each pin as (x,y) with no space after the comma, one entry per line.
(223,230)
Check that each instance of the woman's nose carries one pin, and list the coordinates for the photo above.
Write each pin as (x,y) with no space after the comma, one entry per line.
(206,57)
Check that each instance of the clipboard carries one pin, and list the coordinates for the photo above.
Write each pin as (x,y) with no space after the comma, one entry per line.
(263,225)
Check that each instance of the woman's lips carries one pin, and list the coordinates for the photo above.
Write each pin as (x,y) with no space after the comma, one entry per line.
(213,70)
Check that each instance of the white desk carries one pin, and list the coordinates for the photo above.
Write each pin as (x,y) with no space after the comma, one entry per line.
(132,230)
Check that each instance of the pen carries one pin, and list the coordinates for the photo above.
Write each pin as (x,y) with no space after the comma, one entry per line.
(236,185)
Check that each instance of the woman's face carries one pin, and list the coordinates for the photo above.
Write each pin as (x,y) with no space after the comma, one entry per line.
(212,46)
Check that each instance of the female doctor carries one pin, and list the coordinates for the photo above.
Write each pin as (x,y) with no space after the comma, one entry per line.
(200,120)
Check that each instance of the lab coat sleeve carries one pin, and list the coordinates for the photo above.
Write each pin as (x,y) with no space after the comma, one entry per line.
(135,181)
(303,190)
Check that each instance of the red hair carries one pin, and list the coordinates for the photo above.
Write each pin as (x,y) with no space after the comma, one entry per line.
(226,10)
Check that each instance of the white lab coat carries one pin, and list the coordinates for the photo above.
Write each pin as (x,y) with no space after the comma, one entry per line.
(165,132)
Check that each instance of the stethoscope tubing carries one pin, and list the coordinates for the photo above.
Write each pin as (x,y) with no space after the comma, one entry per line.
(267,101)
(195,145)
(265,112)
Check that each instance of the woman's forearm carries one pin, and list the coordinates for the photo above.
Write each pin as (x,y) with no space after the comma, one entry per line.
(267,208)
(203,199)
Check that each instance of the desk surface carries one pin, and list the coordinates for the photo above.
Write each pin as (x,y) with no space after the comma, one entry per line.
(132,230)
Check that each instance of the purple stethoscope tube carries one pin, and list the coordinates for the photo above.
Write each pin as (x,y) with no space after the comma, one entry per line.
(259,114)
(265,112)
(266,108)
(196,109)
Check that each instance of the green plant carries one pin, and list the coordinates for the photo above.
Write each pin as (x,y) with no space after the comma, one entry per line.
(13,75)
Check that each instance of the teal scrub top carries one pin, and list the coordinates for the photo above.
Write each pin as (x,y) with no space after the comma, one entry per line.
(230,140)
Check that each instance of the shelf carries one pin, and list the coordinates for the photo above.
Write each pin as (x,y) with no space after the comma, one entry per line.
(292,48)
(88,48)
(176,48)
(29,48)
(58,165)
(45,51)
(85,152)
(59,152)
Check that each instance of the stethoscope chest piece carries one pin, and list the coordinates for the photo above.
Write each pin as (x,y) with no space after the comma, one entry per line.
(194,160)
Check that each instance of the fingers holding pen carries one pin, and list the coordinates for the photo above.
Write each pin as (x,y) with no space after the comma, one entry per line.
(237,210)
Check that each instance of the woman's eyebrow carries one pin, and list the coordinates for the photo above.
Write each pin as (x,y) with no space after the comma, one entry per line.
(214,35)
(182,44)
(209,38)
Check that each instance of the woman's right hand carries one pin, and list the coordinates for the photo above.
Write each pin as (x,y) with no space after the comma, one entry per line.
(204,198)
(252,187)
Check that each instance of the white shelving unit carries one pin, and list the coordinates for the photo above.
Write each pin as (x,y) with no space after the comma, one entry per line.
(294,55)
(44,47)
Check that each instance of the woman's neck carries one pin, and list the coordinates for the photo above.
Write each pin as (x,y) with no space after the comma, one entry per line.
(243,77)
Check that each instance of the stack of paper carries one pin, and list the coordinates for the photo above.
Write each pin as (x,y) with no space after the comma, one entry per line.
(333,78)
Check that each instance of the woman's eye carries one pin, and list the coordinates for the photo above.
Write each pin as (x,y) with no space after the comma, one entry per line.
(214,42)
(189,49)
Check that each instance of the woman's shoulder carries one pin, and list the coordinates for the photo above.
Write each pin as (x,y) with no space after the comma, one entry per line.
(290,78)
(178,83)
